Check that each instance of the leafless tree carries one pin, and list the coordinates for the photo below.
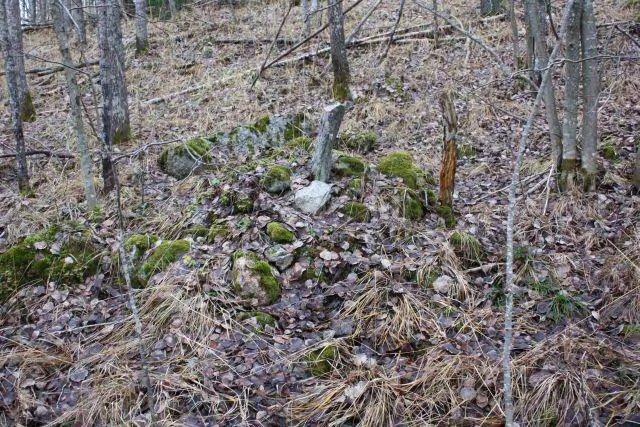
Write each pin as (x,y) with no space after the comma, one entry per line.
(77,13)
(58,8)
(14,100)
(490,7)
(115,108)
(142,37)
(341,75)
(27,109)
(591,92)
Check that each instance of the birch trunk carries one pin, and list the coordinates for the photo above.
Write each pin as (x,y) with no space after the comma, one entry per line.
(74,100)
(537,21)
(14,101)
(341,76)
(591,91)
(27,109)
(572,93)
(327,135)
(142,38)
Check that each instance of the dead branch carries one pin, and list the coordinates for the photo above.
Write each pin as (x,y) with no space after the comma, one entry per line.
(61,155)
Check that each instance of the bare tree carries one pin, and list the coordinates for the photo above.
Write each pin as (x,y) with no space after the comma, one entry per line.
(14,100)
(636,169)
(490,7)
(58,8)
(341,75)
(591,92)
(142,37)
(572,91)
(77,13)
(27,109)
(515,35)
(115,108)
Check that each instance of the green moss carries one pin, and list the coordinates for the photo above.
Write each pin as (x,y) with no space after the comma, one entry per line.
(261,125)
(24,264)
(431,197)
(216,230)
(279,233)
(163,255)
(263,270)
(27,109)
(321,362)
(357,211)
(466,245)
(349,166)
(300,143)
(294,129)
(411,206)
(262,319)
(446,213)
(237,201)
(362,142)
(141,243)
(197,147)
(400,165)
(277,180)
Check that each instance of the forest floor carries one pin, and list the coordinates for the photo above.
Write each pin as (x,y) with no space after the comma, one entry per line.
(369,340)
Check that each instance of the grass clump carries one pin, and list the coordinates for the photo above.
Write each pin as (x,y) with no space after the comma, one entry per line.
(564,305)
(411,207)
(320,362)
(357,211)
(303,143)
(466,245)
(279,233)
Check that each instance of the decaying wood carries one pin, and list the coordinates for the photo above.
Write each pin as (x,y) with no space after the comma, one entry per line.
(448,168)
(61,155)
(329,127)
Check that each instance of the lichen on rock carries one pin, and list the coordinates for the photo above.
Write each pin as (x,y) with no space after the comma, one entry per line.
(254,279)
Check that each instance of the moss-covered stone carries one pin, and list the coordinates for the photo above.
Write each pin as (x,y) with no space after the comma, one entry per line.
(262,319)
(279,233)
(217,230)
(446,213)
(400,164)
(349,166)
(138,244)
(164,254)
(181,159)
(321,362)
(253,278)
(239,203)
(362,142)
(411,207)
(277,180)
(63,254)
(357,211)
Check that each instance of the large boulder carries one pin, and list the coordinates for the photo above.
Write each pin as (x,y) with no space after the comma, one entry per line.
(182,159)
(313,198)
(63,254)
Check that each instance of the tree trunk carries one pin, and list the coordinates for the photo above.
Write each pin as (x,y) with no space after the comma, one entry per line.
(170,6)
(115,110)
(515,36)
(74,101)
(490,7)
(142,38)
(448,169)
(537,22)
(306,23)
(27,109)
(341,76)
(636,169)
(591,91)
(572,91)
(32,11)
(77,12)
(436,24)
(534,76)
(327,135)
(14,100)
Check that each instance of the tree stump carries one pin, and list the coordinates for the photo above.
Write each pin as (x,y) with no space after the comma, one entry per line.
(448,169)
(329,127)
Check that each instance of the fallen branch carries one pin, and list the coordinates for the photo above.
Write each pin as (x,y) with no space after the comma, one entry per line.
(142,149)
(44,71)
(61,155)
(196,88)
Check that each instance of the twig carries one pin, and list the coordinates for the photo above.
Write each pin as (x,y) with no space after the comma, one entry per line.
(61,155)
(273,43)
(393,32)
(366,17)
(511,208)
(44,71)
(142,149)
(633,40)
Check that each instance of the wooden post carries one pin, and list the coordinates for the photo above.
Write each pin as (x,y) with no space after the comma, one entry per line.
(448,169)
(329,127)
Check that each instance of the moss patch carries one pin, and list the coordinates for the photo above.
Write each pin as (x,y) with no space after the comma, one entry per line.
(262,319)
(279,233)
(446,213)
(237,201)
(277,180)
(141,243)
(357,211)
(221,230)
(362,142)
(166,253)
(400,165)
(349,166)
(251,271)
(321,362)
(411,207)
(62,254)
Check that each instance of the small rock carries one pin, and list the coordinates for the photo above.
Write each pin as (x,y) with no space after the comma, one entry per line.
(79,375)
(468,393)
(278,256)
(443,284)
(313,198)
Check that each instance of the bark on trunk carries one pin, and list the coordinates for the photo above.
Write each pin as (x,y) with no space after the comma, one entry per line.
(77,12)
(591,91)
(306,23)
(572,93)
(327,135)
(341,76)
(27,109)
(490,7)
(537,22)
(115,110)
(515,36)
(448,168)
(14,101)
(74,101)
(636,169)
(142,38)
(534,76)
